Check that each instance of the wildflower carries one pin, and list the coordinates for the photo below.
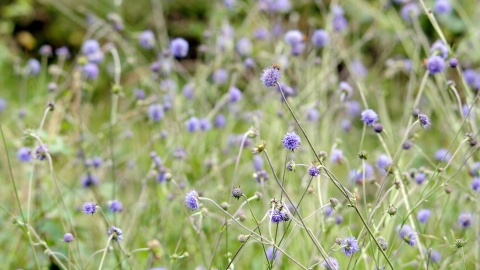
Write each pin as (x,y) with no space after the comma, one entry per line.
(469,75)
(24,154)
(382,242)
(90,46)
(407,144)
(68,237)
(270,254)
(139,93)
(475,169)
(191,200)
(291,141)
(261,176)
(235,94)
(435,256)
(33,66)
(220,121)
(117,233)
(442,154)
(155,112)
(460,242)
(404,231)
(409,10)
(369,117)
(313,170)
(320,38)
(349,245)
(179,47)
(293,37)
(62,52)
(453,62)
(346,125)
(147,39)
(237,193)
(377,127)
(205,124)
(338,219)
(358,175)
(465,219)
(115,206)
(257,162)
(192,124)
(424,121)
(332,264)
(220,76)
(419,177)
(41,152)
(443,7)
(46,50)
(270,76)
(339,23)
(423,215)
(392,210)
(313,115)
(89,180)
(382,161)
(435,64)
(3,104)
(261,33)
(475,184)
(91,71)
(298,48)
(89,208)
(244,46)
(290,166)
(359,68)
(411,239)
(439,47)
(337,156)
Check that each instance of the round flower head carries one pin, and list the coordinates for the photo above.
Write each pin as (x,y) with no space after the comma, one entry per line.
(192,124)
(220,121)
(359,68)
(419,177)
(117,233)
(270,254)
(293,37)
(155,112)
(423,215)
(244,46)
(271,75)
(339,23)
(220,76)
(313,115)
(3,104)
(409,10)
(91,71)
(291,141)
(96,57)
(257,162)
(298,48)
(424,121)
(331,265)
(188,90)
(41,152)
(353,108)
(261,176)
(89,208)
(435,64)
(249,62)
(24,154)
(369,117)
(359,175)
(205,124)
(90,46)
(346,125)
(469,75)
(46,50)
(475,184)
(313,170)
(261,33)
(465,219)
(115,206)
(191,200)
(62,52)
(443,7)
(475,169)
(279,5)
(453,62)
(382,161)
(89,180)
(337,156)
(139,93)
(440,49)
(33,66)
(436,256)
(320,38)
(349,246)
(404,231)
(411,239)
(68,237)
(179,47)
(442,154)
(147,39)
(235,94)
(276,216)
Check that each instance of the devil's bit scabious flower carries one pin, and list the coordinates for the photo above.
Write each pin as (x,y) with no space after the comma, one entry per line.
(443,154)
(270,76)
(235,94)
(332,264)
(424,121)
(257,162)
(41,152)
(404,231)
(33,66)
(382,242)
(382,161)
(45,50)
(220,121)
(475,184)
(419,177)
(313,170)
(244,46)
(220,76)
(179,47)
(117,233)
(436,256)
(291,141)
(469,75)
(192,124)
(62,52)
(205,124)
(90,46)
(293,37)
(89,208)
(89,180)
(270,254)
(349,245)
(191,200)
(276,216)
(339,23)
(147,39)
(369,117)
(465,219)
(237,193)
(411,239)
(409,10)
(423,215)
(24,154)
(453,62)
(435,64)
(68,237)
(115,206)
(439,48)
(320,38)
(91,71)
(155,112)
(336,156)
(443,7)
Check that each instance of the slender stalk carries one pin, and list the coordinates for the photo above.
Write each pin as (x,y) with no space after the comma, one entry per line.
(105,251)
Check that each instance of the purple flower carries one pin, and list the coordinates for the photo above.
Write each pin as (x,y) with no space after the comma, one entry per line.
(3,104)
(41,152)
(89,180)
(435,64)
(465,219)
(192,124)
(469,75)
(313,170)
(62,52)
(220,76)
(46,50)
(155,112)
(147,39)
(339,23)
(249,62)
(278,5)
(338,219)
(270,254)
(313,115)
(442,154)
(89,208)
(96,57)
(220,121)
(257,162)
(409,10)
(349,246)
(337,156)
(346,125)
(90,46)
(443,7)
(475,184)
(424,121)
(68,237)
(244,46)
(346,88)
(276,216)
(475,169)
(419,177)
(436,256)
(353,108)
(332,264)
(24,154)
(298,48)
(293,37)
(191,200)
(235,94)
(358,175)
(423,215)
(291,141)
(277,29)
(188,90)
(139,93)
(261,33)
(261,176)
(33,66)
(205,124)
(270,76)
(404,231)
(359,68)
(369,117)
(230,4)
(382,161)
(115,206)
(440,47)
(179,47)
(411,239)
(337,10)
(117,233)
(91,71)
(320,38)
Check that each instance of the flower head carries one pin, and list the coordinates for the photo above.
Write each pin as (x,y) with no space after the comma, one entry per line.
(320,38)
(205,124)
(465,219)
(409,10)
(382,161)
(89,180)
(419,177)
(270,254)
(89,208)
(443,7)
(349,245)
(179,47)
(369,117)
(332,264)
(442,154)
(424,121)
(147,39)
(276,216)
(440,48)
(339,23)
(115,206)
(24,154)
(91,71)
(411,238)
(191,200)
(313,170)
(337,156)
(435,64)
(235,94)
(270,76)
(293,37)
(41,152)
(155,112)
(291,141)
(220,76)
(423,215)
(475,184)
(90,46)
(68,237)
(33,66)
(244,46)
(117,233)
(192,124)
